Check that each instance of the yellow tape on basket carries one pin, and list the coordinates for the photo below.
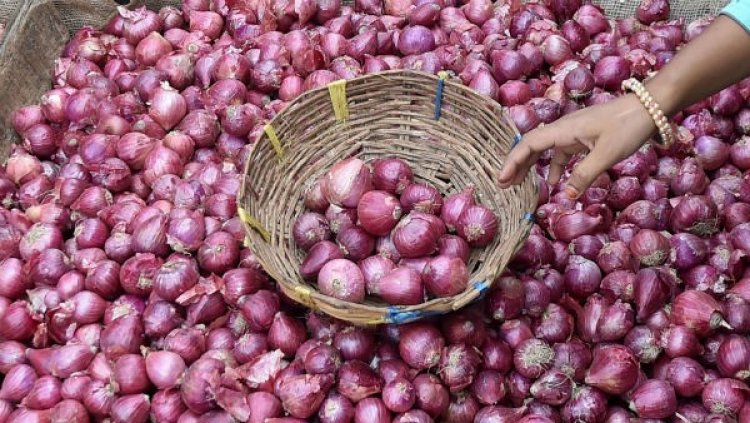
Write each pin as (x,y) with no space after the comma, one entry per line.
(337,91)
(305,295)
(253,223)
(377,321)
(275,143)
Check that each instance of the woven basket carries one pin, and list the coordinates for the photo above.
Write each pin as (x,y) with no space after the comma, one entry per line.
(450,135)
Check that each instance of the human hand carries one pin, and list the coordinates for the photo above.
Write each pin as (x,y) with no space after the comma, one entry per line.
(609,133)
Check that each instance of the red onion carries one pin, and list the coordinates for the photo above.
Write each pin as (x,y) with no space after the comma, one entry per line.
(462,408)
(572,357)
(130,374)
(477,225)
(391,175)
(445,276)
(137,24)
(422,198)
(394,368)
(686,375)
(420,345)
(679,341)
(175,277)
(532,358)
(195,386)
(690,179)
(164,368)
(399,395)
(724,396)
(315,197)
(402,285)
(592,19)
(219,252)
(69,410)
(431,395)
(373,269)
(740,154)
(13,280)
(264,406)
(371,410)
(455,205)
(654,399)
(122,336)
(416,39)
(575,34)
(508,65)
(417,234)
(650,247)
(610,71)
(514,93)
(18,383)
(357,381)
(342,279)
(340,218)
(12,353)
(378,212)
(309,229)
(582,276)
(614,369)
(425,14)
(710,152)
(319,254)
(695,214)
(347,181)
(336,408)
(698,311)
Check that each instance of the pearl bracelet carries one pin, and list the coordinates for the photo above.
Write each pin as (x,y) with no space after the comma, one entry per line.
(665,137)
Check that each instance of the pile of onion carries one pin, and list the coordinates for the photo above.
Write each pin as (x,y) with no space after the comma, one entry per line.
(126,293)
(370,228)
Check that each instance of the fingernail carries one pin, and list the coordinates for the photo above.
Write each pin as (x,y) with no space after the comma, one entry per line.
(571,192)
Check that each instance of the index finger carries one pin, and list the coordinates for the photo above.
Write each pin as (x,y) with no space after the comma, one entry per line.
(525,153)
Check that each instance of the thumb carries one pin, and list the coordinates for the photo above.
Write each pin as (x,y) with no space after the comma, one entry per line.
(587,170)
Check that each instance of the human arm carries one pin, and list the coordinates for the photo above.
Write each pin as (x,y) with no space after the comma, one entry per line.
(612,131)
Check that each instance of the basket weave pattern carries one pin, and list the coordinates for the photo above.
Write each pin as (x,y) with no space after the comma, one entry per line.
(388,114)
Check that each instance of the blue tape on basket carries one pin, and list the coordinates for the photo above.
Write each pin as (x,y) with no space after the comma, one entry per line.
(439,94)
(481,286)
(528,217)
(398,317)
(516,140)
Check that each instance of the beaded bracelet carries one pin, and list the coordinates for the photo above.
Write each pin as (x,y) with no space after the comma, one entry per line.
(665,136)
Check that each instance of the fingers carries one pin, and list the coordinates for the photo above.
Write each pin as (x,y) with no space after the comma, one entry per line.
(557,166)
(596,162)
(526,153)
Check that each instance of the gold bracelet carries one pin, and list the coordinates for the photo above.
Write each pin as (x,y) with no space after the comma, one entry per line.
(665,137)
